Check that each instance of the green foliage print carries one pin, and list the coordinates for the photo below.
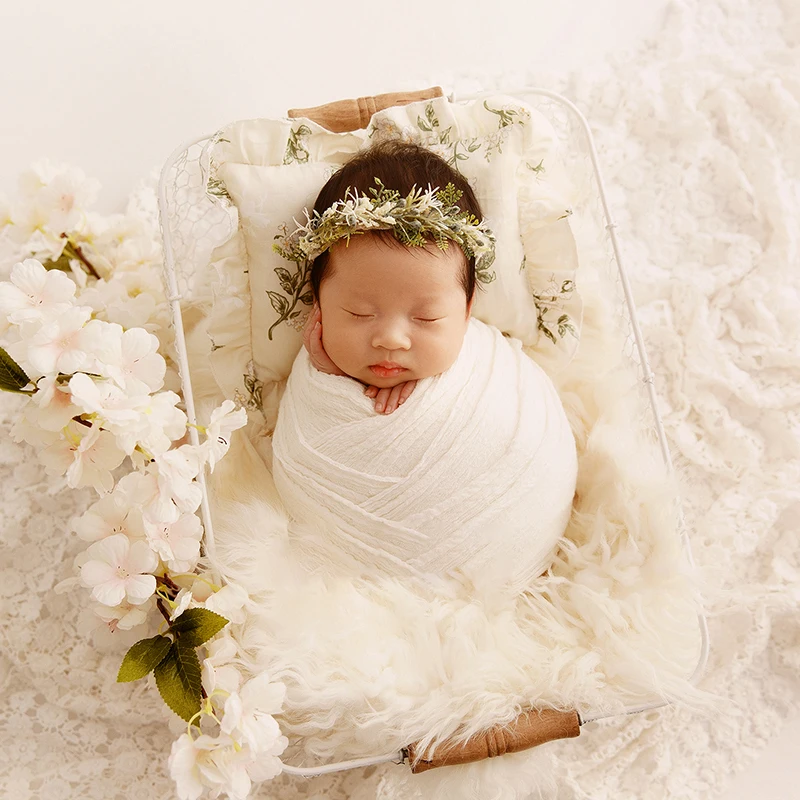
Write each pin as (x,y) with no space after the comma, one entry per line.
(253,387)
(549,304)
(509,116)
(462,149)
(295,148)
(294,285)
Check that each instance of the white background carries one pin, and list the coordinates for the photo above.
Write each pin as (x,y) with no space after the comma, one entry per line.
(114,87)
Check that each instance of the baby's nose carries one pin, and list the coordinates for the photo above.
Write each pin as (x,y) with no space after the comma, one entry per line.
(392,337)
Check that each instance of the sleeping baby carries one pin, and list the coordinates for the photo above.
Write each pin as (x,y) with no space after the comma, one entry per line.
(469,464)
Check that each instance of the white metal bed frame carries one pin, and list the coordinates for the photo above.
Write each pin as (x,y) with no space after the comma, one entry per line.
(174,296)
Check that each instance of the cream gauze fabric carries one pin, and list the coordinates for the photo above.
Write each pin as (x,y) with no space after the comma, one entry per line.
(476,471)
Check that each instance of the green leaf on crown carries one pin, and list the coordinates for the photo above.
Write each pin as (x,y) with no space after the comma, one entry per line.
(196,626)
(142,658)
(12,376)
(178,680)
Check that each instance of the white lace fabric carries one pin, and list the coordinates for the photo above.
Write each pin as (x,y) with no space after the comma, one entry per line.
(699,140)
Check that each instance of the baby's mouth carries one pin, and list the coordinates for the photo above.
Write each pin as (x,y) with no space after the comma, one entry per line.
(387,369)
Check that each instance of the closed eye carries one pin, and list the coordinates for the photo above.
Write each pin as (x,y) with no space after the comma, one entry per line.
(428,320)
(359,316)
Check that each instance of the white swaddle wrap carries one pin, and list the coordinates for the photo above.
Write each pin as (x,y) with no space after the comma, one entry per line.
(476,471)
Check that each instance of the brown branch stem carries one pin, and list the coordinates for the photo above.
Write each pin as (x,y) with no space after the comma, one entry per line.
(75,250)
(163,610)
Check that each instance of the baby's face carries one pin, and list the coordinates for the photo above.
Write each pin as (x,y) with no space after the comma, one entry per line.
(402,305)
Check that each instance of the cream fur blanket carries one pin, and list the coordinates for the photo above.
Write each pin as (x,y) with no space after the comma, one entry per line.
(373,663)
(476,471)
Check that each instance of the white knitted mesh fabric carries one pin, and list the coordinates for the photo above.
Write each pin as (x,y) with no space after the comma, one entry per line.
(699,138)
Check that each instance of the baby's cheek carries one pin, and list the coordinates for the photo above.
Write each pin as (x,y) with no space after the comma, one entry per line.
(340,346)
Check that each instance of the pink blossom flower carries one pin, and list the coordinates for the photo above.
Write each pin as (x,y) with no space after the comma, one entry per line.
(35,293)
(224,420)
(57,345)
(117,569)
(248,715)
(86,455)
(177,543)
(108,516)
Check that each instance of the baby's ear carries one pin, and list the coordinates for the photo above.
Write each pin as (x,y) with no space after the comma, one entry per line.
(469,305)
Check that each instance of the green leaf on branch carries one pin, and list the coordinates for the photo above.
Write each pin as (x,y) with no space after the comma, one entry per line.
(142,658)
(196,626)
(178,680)
(12,376)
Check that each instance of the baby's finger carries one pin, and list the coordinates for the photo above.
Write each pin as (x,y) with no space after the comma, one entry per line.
(371,391)
(405,392)
(393,400)
(381,398)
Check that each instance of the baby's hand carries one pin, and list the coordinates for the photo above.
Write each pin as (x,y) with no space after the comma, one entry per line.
(312,341)
(389,399)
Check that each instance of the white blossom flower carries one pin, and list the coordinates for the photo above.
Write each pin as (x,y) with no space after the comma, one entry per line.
(110,403)
(136,489)
(159,423)
(184,762)
(125,615)
(230,601)
(177,543)
(87,458)
(224,420)
(176,470)
(217,670)
(57,344)
(90,626)
(138,368)
(54,402)
(52,197)
(43,244)
(35,293)
(248,713)
(118,569)
(28,428)
(217,763)
(126,244)
(182,601)
(192,765)
(111,300)
(109,516)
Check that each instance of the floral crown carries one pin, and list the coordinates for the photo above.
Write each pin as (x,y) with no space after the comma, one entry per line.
(434,212)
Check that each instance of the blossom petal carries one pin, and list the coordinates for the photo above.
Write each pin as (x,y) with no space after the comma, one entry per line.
(110,593)
(140,588)
(141,558)
(94,573)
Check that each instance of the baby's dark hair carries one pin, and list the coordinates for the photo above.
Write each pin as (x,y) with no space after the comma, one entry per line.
(399,165)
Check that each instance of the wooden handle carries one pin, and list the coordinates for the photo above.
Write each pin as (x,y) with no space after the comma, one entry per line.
(343,116)
(529,729)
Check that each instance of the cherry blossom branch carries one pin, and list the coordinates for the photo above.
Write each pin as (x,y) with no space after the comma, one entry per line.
(75,250)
